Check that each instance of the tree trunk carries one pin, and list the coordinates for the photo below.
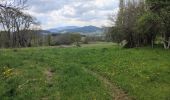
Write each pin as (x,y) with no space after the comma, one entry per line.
(166,42)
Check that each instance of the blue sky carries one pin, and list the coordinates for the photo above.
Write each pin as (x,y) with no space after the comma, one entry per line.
(57,13)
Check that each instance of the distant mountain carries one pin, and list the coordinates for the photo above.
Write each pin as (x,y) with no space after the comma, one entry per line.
(76,29)
(85,29)
(62,28)
(45,32)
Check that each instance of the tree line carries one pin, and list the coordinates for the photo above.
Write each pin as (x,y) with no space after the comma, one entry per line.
(17,29)
(141,23)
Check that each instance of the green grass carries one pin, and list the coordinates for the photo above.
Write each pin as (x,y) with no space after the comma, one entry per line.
(143,73)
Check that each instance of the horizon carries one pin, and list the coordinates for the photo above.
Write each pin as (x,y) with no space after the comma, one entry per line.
(73,26)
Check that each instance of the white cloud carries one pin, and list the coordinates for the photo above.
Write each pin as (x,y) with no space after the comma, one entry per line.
(68,11)
(53,13)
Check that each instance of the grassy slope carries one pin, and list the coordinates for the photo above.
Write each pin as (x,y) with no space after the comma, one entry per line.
(143,73)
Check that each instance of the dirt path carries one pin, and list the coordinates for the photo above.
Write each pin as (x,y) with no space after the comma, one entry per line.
(49,74)
(115,92)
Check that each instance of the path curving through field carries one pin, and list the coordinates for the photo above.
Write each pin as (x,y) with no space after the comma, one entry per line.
(114,91)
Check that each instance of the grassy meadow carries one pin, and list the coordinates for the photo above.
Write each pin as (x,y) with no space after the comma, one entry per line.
(53,73)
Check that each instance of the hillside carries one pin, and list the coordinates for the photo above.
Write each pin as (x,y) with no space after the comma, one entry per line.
(76,29)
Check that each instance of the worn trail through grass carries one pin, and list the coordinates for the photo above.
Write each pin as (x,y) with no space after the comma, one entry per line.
(114,91)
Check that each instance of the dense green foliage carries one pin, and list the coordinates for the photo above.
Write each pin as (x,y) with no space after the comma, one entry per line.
(57,73)
(139,22)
